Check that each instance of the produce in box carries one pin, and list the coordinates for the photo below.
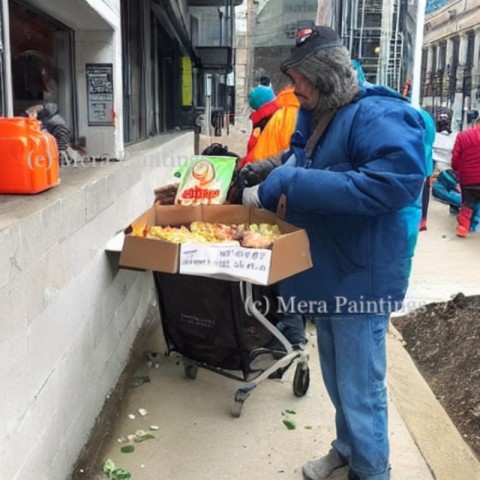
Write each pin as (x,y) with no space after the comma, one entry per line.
(255,235)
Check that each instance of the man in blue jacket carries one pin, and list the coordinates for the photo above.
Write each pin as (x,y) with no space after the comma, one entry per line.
(353,182)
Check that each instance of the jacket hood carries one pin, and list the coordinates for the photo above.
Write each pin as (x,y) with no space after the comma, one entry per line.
(265,111)
(368,90)
(287,98)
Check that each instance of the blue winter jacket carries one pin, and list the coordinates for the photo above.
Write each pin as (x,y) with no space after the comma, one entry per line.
(358,198)
(429,139)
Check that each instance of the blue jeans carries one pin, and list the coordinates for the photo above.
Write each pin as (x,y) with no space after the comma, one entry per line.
(293,328)
(352,353)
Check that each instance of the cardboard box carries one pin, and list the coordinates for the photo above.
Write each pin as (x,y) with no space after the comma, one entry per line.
(290,254)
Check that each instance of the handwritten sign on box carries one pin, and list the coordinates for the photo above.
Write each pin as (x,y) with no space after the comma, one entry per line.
(250,264)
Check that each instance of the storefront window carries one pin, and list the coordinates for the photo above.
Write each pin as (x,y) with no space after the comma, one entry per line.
(134,70)
(151,72)
(41,51)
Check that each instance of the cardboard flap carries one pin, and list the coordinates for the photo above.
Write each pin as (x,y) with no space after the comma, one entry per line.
(149,254)
(176,215)
(292,254)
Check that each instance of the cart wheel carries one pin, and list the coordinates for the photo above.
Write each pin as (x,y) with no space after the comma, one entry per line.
(190,370)
(236,409)
(301,380)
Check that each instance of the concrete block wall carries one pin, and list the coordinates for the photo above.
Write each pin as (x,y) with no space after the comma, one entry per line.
(68,316)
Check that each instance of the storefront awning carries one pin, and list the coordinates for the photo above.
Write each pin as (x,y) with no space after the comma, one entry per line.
(170,16)
(215,59)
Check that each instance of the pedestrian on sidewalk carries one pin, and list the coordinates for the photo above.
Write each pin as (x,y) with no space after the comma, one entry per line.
(466,163)
(273,121)
(446,189)
(265,81)
(428,142)
(353,182)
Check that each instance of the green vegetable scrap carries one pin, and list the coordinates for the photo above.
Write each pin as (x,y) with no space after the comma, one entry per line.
(127,449)
(143,437)
(137,437)
(114,473)
(290,424)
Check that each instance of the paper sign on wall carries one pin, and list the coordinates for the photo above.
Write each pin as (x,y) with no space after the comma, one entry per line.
(250,264)
(99,93)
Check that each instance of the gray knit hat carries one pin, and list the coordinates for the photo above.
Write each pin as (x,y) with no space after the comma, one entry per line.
(307,42)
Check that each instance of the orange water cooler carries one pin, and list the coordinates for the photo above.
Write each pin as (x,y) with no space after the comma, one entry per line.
(28,157)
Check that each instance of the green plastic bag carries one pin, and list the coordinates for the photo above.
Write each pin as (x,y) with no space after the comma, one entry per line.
(205,180)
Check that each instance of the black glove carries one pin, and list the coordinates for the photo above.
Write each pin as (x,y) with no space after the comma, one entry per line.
(250,175)
(256,172)
(235,193)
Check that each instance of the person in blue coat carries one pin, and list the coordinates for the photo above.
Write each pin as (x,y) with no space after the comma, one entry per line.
(353,181)
(429,140)
(447,189)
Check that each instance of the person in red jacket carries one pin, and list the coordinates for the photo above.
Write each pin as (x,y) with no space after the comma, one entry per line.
(273,123)
(466,162)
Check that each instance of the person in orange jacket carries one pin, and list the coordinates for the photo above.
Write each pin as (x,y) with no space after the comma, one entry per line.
(273,122)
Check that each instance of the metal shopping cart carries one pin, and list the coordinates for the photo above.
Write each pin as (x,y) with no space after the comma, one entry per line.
(227,327)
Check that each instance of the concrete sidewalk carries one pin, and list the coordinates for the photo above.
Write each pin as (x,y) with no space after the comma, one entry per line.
(444,265)
(199,439)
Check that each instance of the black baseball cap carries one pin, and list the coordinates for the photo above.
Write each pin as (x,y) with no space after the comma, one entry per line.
(307,41)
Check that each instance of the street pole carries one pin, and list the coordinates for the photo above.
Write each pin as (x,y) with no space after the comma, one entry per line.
(417,61)
(7,71)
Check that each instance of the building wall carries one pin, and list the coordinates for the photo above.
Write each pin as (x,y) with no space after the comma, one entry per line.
(242,77)
(278,21)
(69,315)
(99,46)
(444,85)
(272,34)
(380,34)
(245,17)
(433,5)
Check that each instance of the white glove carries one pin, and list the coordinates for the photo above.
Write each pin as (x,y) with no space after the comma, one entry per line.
(250,197)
